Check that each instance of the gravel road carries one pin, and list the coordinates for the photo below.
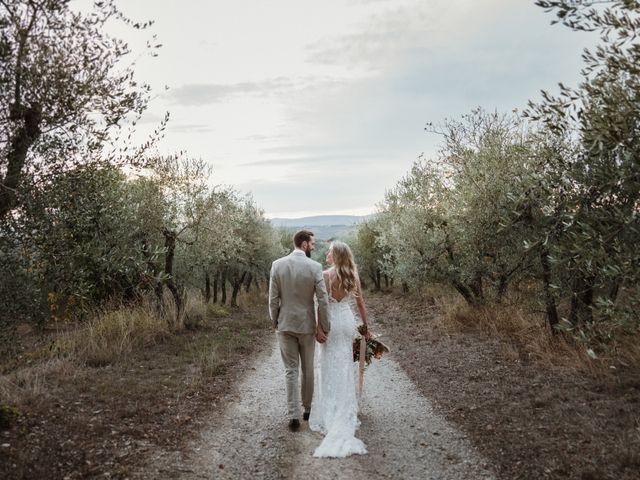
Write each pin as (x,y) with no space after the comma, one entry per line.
(405,438)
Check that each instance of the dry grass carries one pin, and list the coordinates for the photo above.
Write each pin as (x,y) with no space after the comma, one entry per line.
(112,335)
(217,334)
(106,338)
(29,386)
(210,362)
(197,312)
(525,335)
(628,351)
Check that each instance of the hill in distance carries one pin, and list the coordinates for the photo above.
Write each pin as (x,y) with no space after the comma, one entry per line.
(319,221)
(325,227)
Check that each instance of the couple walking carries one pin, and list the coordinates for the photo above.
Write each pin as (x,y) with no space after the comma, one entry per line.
(295,281)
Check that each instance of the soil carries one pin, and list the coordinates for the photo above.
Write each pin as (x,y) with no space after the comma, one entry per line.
(108,422)
(531,421)
(441,405)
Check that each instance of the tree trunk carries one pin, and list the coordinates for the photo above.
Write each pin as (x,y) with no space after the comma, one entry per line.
(247,283)
(476,287)
(504,278)
(159,289)
(153,267)
(386,281)
(552,311)
(581,300)
(237,286)
(223,287)
(207,286)
(215,287)
(587,300)
(25,136)
(573,311)
(375,278)
(503,282)
(615,288)
(465,291)
(170,246)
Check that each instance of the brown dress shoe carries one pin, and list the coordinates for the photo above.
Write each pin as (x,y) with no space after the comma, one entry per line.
(294,425)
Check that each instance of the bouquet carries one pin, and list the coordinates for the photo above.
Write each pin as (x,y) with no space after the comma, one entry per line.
(374,348)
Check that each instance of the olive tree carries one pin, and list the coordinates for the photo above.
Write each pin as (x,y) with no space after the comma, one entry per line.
(591,252)
(444,221)
(65,95)
(183,183)
(369,252)
(77,242)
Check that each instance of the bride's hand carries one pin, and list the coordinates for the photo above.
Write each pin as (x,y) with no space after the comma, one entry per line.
(321,337)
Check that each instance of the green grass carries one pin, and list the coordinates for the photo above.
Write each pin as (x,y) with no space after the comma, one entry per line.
(7,414)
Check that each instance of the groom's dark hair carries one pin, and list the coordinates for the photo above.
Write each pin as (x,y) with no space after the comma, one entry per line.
(302,236)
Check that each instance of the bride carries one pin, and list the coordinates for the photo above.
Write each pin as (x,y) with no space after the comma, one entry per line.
(334,410)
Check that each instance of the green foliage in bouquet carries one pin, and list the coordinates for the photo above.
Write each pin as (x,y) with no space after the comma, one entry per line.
(374,347)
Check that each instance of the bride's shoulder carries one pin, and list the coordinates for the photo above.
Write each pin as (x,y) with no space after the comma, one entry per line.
(327,276)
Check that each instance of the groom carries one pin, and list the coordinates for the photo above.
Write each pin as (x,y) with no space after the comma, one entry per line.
(295,279)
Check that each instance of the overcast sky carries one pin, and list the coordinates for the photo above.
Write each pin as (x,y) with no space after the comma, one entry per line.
(318,107)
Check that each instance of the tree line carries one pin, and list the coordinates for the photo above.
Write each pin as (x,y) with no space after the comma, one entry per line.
(87,217)
(543,205)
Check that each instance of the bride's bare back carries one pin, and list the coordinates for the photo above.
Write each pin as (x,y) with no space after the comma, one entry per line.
(333,287)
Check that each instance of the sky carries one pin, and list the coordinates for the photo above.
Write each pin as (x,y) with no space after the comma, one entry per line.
(319,107)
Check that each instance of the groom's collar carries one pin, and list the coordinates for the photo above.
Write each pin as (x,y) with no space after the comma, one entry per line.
(298,252)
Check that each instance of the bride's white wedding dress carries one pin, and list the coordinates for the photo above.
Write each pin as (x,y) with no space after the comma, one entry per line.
(334,409)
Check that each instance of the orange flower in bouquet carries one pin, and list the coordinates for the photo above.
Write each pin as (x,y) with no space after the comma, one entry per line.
(374,347)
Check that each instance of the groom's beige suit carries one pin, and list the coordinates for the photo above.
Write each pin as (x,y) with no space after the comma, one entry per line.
(295,280)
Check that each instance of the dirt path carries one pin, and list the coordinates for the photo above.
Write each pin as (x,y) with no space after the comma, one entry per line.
(405,438)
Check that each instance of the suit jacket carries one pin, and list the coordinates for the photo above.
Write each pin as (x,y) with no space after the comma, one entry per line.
(294,281)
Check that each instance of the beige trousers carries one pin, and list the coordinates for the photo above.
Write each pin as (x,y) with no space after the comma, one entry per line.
(297,350)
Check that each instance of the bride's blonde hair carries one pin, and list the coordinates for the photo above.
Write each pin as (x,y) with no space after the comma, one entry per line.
(345,267)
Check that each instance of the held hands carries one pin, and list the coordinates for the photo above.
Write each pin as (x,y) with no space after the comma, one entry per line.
(321,337)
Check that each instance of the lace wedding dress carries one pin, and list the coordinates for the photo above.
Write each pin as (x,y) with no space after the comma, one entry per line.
(334,409)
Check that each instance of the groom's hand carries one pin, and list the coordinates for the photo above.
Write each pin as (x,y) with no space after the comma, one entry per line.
(321,337)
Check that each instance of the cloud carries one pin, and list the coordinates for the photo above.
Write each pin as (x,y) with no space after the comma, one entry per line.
(317,106)
(389,30)
(379,36)
(327,159)
(192,95)
(310,150)
(340,155)
(151,117)
(200,94)
(262,138)
(500,66)
(279,162)
(325,183)
(334,190)
(191,128)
